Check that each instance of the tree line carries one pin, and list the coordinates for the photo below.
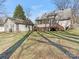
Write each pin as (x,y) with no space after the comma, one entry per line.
(64,4)
(18,12)
(60,4)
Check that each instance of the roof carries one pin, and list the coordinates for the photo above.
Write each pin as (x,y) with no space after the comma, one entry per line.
(21,21)
(63,14)
(57,15)
(46,16)
(17,21)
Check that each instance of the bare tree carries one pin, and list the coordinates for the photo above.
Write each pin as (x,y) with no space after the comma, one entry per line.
(61,4)
(75,10)
(2,9)
(28,14)
(64,4)
(2,1)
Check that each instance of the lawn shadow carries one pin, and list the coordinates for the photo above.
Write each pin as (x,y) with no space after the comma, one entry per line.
(66,32)
(24,48)
(60,47)
(70,35)
(65,38)
(6,54)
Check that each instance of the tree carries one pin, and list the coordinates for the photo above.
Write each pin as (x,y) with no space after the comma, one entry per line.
(1,6)
(61,4)
(2,1)
(28,12)
(19,13)
(73,4)
(75,10)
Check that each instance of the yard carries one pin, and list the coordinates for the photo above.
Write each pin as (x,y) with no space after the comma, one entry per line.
(35,48)
(8,39)
(62,45)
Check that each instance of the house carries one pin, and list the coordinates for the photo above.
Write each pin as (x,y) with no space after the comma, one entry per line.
(57,20)
(45,22)
(64,18)
(15,25)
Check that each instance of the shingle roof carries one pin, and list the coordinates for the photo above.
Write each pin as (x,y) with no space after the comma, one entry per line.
(57,15)
(46,16)
(21,21)
(17,21)
(64,14)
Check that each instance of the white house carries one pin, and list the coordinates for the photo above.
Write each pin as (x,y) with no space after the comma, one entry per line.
(57,20)
(66,23)
(64,18)
(15,25)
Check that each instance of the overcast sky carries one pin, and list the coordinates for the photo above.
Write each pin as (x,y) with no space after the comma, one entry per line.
(37,7)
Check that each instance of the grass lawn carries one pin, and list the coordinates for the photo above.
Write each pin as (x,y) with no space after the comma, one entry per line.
(8,39)
(74,31)
(71,46)
(33,49)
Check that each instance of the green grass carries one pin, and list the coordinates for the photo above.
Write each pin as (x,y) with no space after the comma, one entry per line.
(8,39)
(34,34)
(74,31)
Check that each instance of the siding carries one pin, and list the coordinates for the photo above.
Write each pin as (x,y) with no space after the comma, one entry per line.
(2,28)
(22,27)
(65,23)
(43,25)
(9,25)
(31,28)
(14,28)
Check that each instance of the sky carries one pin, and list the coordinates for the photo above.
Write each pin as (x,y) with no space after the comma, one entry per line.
(37,7)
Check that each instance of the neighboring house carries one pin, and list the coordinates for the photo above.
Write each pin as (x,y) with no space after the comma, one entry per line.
(64,18)
(66,23)
(15,25)
(57,20)
(45,22)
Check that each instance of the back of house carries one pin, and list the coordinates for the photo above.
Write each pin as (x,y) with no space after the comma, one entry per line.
(57,20)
